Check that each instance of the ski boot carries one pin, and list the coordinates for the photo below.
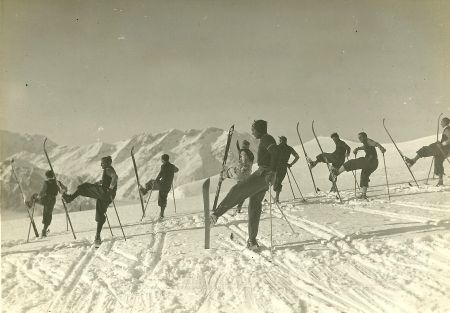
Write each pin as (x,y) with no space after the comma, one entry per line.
(67,197)
(409,162)
(311,163)
(97,241)
(252,245)
(44,233)
(440,183)
(213,219)
(161,217)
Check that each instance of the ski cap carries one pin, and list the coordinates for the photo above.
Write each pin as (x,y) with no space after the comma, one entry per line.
(245,144)
(283,139)
(446,120)
(107,159)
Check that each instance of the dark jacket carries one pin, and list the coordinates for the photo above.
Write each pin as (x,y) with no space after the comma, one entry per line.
(165,176)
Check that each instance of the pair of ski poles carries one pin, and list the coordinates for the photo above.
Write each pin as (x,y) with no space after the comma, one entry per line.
(148,200)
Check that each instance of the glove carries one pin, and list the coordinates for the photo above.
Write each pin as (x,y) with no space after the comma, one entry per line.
(142,190)
(383,150)
(355,151)
(224,174)
(270,178)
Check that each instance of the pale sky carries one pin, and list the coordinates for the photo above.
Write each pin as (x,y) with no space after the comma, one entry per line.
(77,71)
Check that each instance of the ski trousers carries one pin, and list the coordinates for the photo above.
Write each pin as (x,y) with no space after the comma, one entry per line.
(101,195)
(332,158)
(367,167)
(439,152)
(281,174)
(254,187)
(48,203)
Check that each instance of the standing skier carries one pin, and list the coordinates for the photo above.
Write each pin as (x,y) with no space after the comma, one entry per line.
(255,186)
(367,164)
(104,191)
(164,182)
(47,198)
(439,150)
(244,168)
(336,158)
(284,154)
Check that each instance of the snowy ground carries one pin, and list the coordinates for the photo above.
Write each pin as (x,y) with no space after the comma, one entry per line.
(354,257)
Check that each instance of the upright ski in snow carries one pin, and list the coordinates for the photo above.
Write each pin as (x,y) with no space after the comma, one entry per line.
(36,233)
(306,157)
(137,181)
(62,200)
(328,164)
(224,162)
(206,211)
(399,152)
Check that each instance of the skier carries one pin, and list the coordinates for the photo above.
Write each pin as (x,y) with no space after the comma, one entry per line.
(47,198)
(367,164)
(244,168)
(284,153)
(255,186)
(335,159)
(104,191)
(439,150)
(163,183)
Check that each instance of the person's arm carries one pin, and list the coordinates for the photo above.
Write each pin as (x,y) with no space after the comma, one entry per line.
(44,189)
(110,172)
(273,151)
(373,143)
(296,157)
(175,169)
(447,133)
(347,149)
(158,178)
(355,151)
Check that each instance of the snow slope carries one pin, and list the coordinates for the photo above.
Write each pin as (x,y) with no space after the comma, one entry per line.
(354,257)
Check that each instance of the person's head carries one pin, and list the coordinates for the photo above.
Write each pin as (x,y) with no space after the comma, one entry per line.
(49,174)
(362,136)
(283,139)
(445,122)
(165,158)
(335,137)
(259,128)
(106,161)
(245,144)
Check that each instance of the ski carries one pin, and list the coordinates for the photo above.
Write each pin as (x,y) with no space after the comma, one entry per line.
(33,224)
(328,164)
(399,152)
(137,181)
(206,211)
(62,200)
(224,162)
(306,157)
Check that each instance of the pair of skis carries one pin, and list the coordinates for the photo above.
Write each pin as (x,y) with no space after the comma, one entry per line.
(309,167)
(144,207)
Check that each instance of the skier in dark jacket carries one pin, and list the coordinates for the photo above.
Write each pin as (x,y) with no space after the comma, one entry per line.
(162,182)
(335,159)
(367,164)
(255,186)
(284,153)
(47,198)
(439,150)
(104,191)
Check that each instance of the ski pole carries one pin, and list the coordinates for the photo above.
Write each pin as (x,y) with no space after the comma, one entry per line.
(387,182)
(148,200)
(109,225)
(429,171)
(354,176)
(173,195)
(271,223)
(295,181)
(117,214)
(284,216)
(29,227)
(290,185)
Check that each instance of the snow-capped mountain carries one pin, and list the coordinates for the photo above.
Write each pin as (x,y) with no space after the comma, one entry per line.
(197,153)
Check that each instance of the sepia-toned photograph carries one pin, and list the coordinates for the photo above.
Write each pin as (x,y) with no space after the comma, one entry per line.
(225,156)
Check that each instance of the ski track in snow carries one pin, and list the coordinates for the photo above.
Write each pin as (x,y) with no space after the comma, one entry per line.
(392,257)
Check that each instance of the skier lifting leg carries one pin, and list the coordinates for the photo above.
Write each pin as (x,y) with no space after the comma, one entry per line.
(367,164)
(255,186)
(439,150)
(104,191)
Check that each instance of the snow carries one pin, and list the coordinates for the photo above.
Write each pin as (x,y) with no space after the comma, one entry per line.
(375,256)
